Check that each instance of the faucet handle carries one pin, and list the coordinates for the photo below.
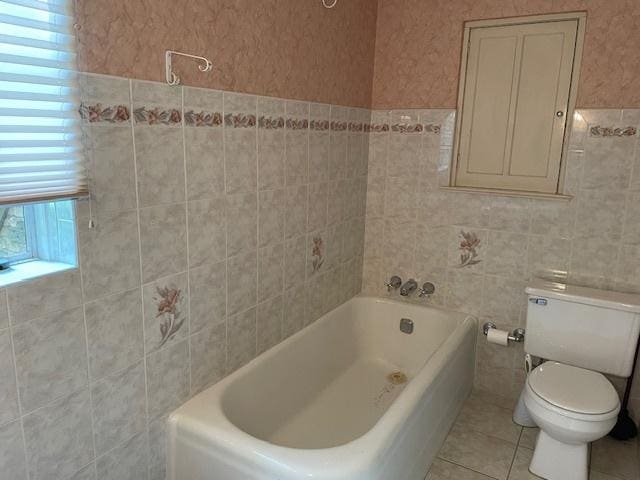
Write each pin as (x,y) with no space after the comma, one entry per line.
(428,288)
(393,283)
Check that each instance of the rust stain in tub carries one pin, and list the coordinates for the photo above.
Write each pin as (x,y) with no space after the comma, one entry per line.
(397,378)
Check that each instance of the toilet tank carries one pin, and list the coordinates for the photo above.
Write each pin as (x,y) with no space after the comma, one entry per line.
(584,327)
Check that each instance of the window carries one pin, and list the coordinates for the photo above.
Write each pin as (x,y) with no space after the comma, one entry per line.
(43,231)
(41,167)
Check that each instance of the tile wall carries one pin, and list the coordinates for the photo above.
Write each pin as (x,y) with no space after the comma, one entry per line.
(223,224)
(480,250)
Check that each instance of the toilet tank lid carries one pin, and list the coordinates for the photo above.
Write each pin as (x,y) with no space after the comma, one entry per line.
(627,302)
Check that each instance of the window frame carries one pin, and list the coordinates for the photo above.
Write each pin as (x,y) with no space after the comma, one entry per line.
(36,235)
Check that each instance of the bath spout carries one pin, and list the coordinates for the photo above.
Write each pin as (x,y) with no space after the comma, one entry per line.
(409,287)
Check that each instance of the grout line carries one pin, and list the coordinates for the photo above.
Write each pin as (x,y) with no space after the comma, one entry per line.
(226,236)
(186,226)
(21,414)
(466,468)
(144,343)
(88,366)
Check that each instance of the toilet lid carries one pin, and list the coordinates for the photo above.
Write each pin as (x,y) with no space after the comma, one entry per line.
(574,389)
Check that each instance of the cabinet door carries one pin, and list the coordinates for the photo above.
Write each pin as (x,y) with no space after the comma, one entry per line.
(515,103)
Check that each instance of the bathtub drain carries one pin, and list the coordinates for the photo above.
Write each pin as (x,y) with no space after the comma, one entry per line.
(397,378)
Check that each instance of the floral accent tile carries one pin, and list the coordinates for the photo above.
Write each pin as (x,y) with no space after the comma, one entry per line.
(297,124)
(600,131)
(170,305)
(407,128)
(317,253)
(240,120)
(271,123)
(339,126)
(469,245)
(432,128)
(320,125)
(202,119)
(157,116)
(98,113)
(377,128)
(356,127)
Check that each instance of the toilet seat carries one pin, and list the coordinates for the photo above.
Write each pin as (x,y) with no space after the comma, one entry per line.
(573,391)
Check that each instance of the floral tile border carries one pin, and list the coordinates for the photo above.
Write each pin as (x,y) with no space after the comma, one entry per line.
(297,124)
(202,119)
(432,128)
(116,114)
(271,123)
(157,116)
(339,126)
(320,125)
(377,128)
(600,131)
(97,113)
(407,128)
(239,120)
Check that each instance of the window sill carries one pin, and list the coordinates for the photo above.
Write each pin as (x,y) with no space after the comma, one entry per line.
(21,272)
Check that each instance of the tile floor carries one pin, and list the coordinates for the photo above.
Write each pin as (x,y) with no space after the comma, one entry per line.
(485,444)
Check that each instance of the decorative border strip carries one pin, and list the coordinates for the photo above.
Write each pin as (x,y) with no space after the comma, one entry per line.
(339,126)
(320,125)
(240,120)
(157,116)
(270,123)
(600,131)
(297,124)
(377,128)
(407,127)
(202,119)
(98,114)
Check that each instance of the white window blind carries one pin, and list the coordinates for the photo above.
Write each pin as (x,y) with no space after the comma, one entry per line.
(40,156)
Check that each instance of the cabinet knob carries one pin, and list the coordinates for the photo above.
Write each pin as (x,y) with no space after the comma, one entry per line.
(559,113)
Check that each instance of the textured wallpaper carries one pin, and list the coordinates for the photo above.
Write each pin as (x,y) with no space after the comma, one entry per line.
(419,41)
(285,48)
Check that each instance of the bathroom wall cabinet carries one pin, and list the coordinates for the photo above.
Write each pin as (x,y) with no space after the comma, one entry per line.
(516,98)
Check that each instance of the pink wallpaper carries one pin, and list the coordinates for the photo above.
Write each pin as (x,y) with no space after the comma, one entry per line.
(286,48)
(418,46)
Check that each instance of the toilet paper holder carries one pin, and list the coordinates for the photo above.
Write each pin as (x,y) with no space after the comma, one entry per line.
(516,336)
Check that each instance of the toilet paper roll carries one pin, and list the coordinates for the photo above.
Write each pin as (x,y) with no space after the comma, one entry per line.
(499,337)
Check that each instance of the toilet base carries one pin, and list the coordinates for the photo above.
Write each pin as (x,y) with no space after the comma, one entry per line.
(554,460)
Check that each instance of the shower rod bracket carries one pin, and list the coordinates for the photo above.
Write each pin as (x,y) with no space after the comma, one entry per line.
(204,65)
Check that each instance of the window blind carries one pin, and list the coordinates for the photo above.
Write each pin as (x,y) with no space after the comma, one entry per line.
(40,155)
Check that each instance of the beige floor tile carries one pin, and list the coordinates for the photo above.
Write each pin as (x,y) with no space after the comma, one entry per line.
(528,437)
(477,451)
(441,470)
(616,458)
(601,476)
(484,417)
(520,467)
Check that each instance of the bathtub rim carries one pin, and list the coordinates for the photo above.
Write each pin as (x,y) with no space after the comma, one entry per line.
(215,429)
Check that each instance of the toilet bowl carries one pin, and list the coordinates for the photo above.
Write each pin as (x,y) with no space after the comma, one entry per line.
(573,407)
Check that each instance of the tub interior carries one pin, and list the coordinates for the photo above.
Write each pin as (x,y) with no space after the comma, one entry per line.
(333,382)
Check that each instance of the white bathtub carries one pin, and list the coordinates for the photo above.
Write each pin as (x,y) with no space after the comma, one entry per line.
(321,405)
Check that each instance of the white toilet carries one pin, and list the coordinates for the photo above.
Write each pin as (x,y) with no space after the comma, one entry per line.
(580,333)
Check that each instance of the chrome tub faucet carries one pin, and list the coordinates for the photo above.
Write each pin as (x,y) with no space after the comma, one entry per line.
(409,287)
